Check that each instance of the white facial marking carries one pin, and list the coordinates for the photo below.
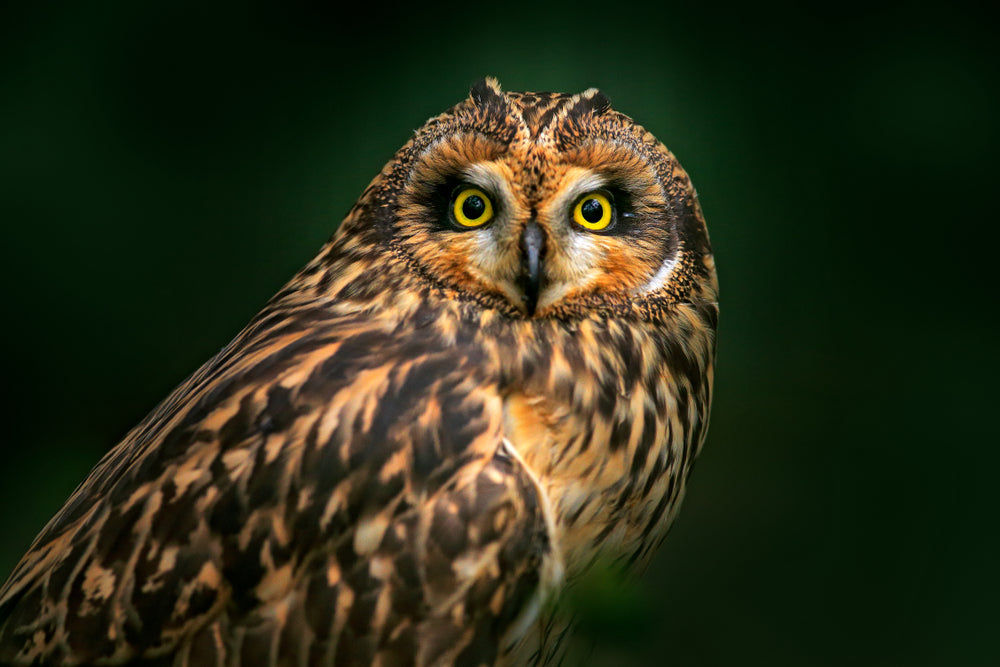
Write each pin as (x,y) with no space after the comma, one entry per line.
(585,184)
(488,177)
(659,279)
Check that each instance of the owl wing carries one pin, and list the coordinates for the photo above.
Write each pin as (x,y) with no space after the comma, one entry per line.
(326,491)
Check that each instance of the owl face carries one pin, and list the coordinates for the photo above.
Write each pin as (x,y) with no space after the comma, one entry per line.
(538,203)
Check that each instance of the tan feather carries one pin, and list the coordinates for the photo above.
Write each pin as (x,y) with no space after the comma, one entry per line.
(423,436)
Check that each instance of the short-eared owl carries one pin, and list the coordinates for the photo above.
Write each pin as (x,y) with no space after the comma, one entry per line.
(497,372)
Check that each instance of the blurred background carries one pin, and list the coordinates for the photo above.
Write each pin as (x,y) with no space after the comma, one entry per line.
(165,167)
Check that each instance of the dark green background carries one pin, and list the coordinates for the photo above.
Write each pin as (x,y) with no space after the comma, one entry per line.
(165,167)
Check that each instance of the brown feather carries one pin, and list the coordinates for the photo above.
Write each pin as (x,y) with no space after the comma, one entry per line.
(398,461)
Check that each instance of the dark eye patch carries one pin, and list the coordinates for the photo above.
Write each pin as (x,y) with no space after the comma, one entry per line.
(437,198)
(625,219)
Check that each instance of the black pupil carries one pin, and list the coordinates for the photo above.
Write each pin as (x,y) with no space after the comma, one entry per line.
(473,207)
(592,211)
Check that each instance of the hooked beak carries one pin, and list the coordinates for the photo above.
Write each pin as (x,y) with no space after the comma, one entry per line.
(532,251)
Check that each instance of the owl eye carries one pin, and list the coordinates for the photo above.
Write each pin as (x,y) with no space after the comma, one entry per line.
(593,212)
(472,208)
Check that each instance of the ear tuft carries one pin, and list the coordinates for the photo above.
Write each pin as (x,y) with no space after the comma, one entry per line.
(589,101)
(486,92)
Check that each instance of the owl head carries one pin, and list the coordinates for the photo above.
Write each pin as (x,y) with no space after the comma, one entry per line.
(539,205)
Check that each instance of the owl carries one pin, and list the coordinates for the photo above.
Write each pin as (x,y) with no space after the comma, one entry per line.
(495,374)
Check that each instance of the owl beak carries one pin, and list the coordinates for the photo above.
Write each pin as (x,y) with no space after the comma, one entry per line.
(533,250)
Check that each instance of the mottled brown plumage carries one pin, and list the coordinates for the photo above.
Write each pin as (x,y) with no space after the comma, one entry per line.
(425,434)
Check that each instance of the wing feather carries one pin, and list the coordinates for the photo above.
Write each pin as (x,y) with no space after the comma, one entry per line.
(331,491)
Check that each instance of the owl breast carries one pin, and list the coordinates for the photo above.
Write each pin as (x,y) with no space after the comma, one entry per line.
(608,415)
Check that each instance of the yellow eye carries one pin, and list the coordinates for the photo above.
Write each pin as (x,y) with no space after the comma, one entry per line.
(472,208)
(593,212)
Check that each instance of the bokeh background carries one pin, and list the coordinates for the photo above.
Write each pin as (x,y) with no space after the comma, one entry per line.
(166,166)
